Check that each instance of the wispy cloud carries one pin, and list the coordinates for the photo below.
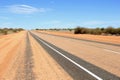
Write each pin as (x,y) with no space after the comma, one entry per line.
(24,9)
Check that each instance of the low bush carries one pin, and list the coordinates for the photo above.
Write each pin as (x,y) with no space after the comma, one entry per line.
(5,31)
(97,31)
(80,30)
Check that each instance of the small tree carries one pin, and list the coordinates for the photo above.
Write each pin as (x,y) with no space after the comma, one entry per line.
(5,32)
(77,30)
(118,31)
(97,31)
(36,29)
(110,30)
(15,30)
(20,29)
(81,30)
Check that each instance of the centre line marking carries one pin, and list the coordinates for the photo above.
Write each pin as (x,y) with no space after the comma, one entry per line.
(112,51)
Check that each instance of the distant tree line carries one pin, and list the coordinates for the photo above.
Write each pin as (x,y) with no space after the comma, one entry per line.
(97,31)
(6,30)
(56,29)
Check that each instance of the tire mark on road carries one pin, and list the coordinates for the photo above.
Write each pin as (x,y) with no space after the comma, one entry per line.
(25,70)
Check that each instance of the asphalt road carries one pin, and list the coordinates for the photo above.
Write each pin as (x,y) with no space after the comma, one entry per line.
(77,68)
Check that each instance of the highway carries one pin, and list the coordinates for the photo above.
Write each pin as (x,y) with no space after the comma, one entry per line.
(82,60)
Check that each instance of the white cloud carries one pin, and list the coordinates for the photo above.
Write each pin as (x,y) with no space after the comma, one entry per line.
(24,9)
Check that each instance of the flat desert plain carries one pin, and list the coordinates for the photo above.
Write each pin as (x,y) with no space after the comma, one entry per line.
(22,58)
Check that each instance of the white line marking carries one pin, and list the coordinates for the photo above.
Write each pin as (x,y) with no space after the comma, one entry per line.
(78,65)
(112,51)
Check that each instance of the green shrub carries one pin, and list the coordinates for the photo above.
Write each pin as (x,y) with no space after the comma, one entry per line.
(80,30)
(36,29)
(5,32)
(118,31)
(77,30)
(20,29)
(97,31)
(14,30)
(110,30)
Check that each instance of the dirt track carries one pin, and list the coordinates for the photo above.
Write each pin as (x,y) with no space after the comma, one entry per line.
(22,58)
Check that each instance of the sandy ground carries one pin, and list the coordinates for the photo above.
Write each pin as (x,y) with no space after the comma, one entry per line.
(91,52)
(101,38)
(25,59)
(10,45)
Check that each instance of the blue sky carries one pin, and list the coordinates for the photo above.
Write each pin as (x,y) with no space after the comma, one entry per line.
(31,14)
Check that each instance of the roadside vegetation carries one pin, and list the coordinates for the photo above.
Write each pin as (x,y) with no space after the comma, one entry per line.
(6,31)
(97,31)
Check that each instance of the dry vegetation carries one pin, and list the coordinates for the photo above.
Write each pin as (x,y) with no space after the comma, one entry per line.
(98,31)
(82,30)
(6,31)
